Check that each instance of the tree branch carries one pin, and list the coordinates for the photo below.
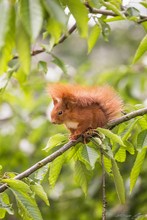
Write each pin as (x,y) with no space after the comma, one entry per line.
(73,28)
(142,18)
(70,144)
(63,38)
(126,117)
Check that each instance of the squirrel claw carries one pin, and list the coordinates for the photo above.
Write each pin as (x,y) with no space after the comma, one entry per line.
(89,133)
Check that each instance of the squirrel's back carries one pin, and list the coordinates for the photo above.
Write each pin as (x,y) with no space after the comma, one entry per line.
(104,96)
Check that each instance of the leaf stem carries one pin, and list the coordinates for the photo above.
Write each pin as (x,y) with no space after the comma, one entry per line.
(103,187)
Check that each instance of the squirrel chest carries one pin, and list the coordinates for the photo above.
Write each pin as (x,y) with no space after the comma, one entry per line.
(71,125)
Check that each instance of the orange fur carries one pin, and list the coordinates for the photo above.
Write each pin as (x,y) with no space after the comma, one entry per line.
(83,108)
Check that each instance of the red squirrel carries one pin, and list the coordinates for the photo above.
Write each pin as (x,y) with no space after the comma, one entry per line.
(82,108)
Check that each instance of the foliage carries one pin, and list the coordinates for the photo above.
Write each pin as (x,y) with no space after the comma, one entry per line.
(30,56)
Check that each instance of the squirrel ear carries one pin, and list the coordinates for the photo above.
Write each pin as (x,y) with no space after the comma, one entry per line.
(69,103)
(56,100)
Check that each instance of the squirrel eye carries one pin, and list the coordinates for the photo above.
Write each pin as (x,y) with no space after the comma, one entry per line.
(60,113)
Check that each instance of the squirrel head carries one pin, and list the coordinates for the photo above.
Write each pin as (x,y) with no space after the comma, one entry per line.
(61,111)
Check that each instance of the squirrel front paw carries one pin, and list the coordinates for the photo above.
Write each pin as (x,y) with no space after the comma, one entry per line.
(74,137)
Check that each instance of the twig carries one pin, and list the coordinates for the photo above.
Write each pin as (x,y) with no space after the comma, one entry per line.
(70,144)
(103,187)
(63,38)
(99,11)
(126,117)
(43,162)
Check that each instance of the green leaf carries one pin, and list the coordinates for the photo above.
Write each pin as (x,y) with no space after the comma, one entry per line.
(141,49)
(54,141)
(116,18)
(42,66)
(23,47)
(22,193)
(5,205)
(17,185)
(129,128)
(82,176)
(24,15)
(41,173)
(4,16)
(27,205)
(54,29)
(93,36)
(55,11)
(143,122)
(79,11)
(107,164)
(88,156)
(59,63)
(55,169)
(137,168)
(144,4)
(119,185)
(39,191)
(7,43)
(114,9)
(142,139)
(129,147)
(72,152)
(31,17)
(36,17)
(133,12)
(113,137)
(120,156)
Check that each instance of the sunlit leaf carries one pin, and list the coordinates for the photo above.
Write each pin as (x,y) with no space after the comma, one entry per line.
(55,169)
(93,36)
(120,155)
(24,15)
(119,185)
(137,168)
(39,191)
(129,147)
(17,184)
(54,141)
(79,11)
(141,49)
(107,164)
(54,29)
(113,137)
(7,43)
(23,47)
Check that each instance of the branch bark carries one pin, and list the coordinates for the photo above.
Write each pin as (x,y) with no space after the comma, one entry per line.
(70,144)
(73,28)
(63,38)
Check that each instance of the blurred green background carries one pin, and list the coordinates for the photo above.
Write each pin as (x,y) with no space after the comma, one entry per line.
(25,127)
